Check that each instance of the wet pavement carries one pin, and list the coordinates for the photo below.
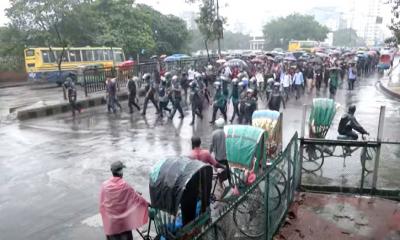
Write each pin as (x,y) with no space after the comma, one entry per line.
(323,216)
(51,168)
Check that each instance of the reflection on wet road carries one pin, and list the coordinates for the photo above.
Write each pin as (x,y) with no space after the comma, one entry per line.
(52,168)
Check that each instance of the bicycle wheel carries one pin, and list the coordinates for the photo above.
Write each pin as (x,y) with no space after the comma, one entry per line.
(313,159)
(249,215)
(367,158)
(215,232)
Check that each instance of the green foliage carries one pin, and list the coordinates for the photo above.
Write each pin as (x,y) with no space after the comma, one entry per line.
(280,31)
(117,23)
(395,21)
(347,38)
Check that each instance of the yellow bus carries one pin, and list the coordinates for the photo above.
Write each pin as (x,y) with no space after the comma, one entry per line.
(296,45)
(41,63)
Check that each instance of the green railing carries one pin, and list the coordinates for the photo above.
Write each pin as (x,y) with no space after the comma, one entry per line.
(258,212)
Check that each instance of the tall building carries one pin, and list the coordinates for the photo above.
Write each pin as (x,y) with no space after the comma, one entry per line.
(190,18)
(372,32)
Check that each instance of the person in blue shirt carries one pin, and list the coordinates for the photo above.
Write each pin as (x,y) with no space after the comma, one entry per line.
(298,82)
(234,96)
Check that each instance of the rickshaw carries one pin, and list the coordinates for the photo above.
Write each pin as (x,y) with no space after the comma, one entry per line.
(321,116)
(271,122)
(180,197)
(385,62)
(245,148)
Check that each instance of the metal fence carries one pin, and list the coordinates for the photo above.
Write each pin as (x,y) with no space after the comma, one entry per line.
(94,79)
(347,166)
(259,211)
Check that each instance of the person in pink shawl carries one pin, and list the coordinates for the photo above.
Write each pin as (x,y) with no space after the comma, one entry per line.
(122,209)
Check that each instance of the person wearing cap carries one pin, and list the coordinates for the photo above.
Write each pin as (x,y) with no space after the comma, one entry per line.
(234,97)
(163,98)
(122,209)
(149,89)
(218,144)
(248,106)
(176,98)
(219,102)
(131,86)
(196,101)
(276,99)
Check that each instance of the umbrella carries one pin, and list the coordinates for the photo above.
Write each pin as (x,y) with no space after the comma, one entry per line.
(289,58)
(163,56)
(316,60)
(321,54)
(270,58)
(236,63)
(221,61)
(154,57)
(270,54)
(176,57)
(257,61)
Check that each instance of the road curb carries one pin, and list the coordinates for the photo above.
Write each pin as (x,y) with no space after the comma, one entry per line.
(387,90)
(50,110)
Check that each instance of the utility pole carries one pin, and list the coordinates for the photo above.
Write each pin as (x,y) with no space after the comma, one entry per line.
(219,34)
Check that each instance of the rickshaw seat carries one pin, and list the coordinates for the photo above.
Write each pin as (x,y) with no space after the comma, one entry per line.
(343,137)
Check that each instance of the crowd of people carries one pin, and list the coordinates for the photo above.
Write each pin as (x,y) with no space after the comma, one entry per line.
(241,83)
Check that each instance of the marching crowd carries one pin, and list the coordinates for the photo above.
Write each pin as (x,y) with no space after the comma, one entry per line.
(239,83)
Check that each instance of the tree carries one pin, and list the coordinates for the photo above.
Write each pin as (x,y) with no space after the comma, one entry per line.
(169,32)
(44,17)
(347,38)
(280,31)
(395,21)
(205,22)
(391,41)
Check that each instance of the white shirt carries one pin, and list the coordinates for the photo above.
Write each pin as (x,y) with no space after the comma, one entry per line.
(286,80)
(191,73)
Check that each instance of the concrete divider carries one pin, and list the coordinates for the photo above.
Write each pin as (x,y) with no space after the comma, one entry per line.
(62,107)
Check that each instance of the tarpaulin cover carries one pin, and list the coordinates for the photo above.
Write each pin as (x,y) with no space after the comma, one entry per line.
(244,144)
(323,111)
(271,122)
(170,178)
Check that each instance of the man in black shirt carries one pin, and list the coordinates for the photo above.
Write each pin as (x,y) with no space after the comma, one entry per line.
(348,122)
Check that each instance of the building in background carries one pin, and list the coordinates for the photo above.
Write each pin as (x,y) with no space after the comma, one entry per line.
(190,18)
(373,33)
(257,43)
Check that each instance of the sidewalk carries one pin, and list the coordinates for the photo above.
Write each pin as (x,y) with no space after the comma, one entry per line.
(391,83)
(51,107)
(334,216)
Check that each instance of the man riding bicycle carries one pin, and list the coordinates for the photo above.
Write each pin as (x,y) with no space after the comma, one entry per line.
(348,123)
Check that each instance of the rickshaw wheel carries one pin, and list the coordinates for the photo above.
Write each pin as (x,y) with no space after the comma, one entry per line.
(367,158)
(313,159)
(252,210)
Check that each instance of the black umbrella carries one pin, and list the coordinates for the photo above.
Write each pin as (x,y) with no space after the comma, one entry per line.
(236,63)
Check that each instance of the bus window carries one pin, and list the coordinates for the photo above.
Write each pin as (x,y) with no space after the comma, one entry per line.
(30,53)
(99,55)
(118,57)
(48,56)
(95,55)
(87,55)
(65,55)
(106,55)
(75,55)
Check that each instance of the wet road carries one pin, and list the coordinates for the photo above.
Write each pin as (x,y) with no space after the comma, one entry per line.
(51,168)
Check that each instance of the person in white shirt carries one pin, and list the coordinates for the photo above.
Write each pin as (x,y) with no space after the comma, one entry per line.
(285,82)
(191,73)
(298,82)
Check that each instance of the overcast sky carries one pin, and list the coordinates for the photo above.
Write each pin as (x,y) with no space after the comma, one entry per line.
(250,15)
